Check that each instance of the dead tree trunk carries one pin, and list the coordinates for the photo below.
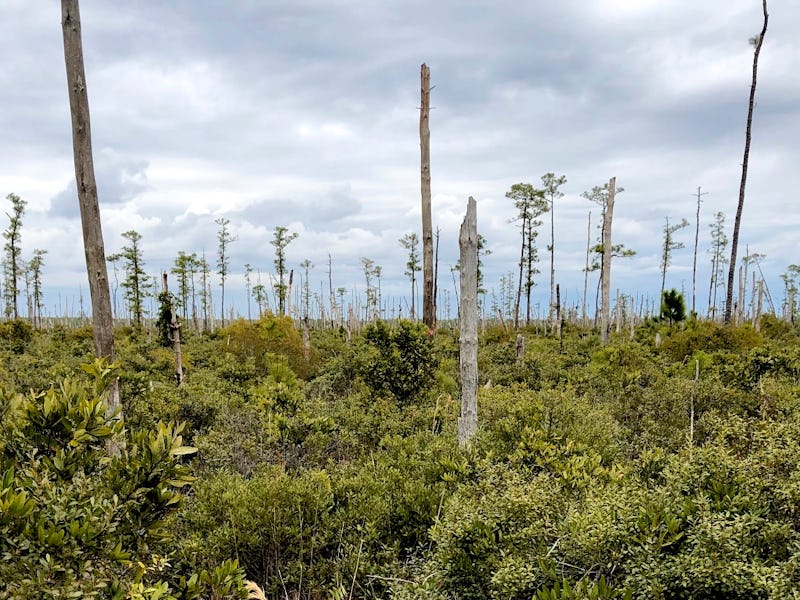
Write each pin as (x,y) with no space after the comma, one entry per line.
(175,328)
(428,298)
(608,214)
(586,268)
(738,221)
(94,249)
(468,322)
(696,242)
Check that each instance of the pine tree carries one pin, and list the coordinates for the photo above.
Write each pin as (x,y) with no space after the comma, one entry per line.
(530,204)
(13,250)
(137,284)
(410,242)
(225,238)
(669,245)
(280,239)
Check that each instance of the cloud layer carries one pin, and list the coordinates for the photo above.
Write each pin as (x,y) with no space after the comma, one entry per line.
(305,114)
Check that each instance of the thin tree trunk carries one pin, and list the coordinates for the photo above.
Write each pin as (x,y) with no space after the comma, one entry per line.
(436,270)
(747,136)
(552,260)
(519,283)
(586,269)
(428,298)
(696,242)
(608,214)
(759,306)
(94,249)
(468,322)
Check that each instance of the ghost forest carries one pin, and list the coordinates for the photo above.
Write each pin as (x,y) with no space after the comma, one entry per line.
(333,445)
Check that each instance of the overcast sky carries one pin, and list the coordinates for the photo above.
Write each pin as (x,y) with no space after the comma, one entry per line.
(304,113)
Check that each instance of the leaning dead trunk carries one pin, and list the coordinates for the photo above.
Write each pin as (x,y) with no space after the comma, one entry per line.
(428,297)
(94,249)
(608,214)
(748,129)
(468,322)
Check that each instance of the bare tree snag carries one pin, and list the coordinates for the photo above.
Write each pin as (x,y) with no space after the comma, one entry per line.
(696,242)
(94,249)
(468,323)
(608,214)
(758,41)
(586,268)
(428,298)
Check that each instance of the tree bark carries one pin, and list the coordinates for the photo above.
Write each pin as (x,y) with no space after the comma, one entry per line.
(468,323)
(608,214)
(521,267)
(747,136)
(696,242)
(428,298)
(586,269)
(94,249)
(552,261)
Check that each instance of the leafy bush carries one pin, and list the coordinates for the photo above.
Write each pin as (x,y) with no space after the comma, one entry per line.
(398,360)
(76,522)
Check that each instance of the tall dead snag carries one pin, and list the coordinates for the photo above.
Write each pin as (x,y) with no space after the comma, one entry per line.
(468,323)
(757,42)
(428,298)
(102,318)
(605,276)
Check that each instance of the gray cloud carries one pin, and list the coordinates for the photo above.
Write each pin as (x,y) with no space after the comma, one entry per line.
(304,114)
(120,179)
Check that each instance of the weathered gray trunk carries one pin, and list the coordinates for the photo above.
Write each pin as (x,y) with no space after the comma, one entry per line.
(586,269)
(608,214)
(745,161)
(428,297)
(94,249)
(468,322)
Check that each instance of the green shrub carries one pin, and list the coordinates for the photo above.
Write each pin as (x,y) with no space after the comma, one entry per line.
(398,360)
(76,522)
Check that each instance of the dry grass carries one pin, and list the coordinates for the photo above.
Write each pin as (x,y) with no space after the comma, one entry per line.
(254,592)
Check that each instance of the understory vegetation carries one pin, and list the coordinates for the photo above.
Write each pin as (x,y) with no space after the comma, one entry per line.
(639,469)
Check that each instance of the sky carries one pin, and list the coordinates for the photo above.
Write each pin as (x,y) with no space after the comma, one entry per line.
(305,114)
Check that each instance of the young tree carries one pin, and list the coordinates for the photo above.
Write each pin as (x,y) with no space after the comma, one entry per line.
(35,267)
(410,242)
(205,295)
(673,308)
(260,296)
(719,241)
(137,284)
(183,268)
(552,185)
(94,249)
(428,296)
(280,239)
(530,204)
(13,235)
(225,238)
(669,245)
(757,42)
